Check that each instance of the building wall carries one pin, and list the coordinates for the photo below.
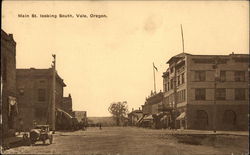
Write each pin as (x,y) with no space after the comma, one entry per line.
(66,105)
(8,77)
(241,120)
(230,64)
(32,108)
(238,106)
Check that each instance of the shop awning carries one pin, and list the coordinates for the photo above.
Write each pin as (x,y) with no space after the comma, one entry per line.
(64,113)
(164,117)
(140,119)
(181,116)
(149,117)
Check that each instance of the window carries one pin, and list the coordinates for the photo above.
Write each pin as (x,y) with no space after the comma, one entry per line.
(165,87)
(200,94)
(200,75)
(222,76)
(178,80)
(220,94)
(181,96)
(171,70)
(182,78)
(171,84)
(41,94)
(239,94)
(239,76)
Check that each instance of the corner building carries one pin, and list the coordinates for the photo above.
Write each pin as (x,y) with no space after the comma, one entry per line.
(208,92)
(34,92)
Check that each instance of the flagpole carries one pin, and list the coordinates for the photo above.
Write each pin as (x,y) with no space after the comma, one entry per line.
(154,78)
(182,39)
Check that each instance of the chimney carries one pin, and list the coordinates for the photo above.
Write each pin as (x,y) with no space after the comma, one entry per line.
(132,109)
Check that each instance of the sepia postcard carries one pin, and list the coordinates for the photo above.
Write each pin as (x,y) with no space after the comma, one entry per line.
(125,77)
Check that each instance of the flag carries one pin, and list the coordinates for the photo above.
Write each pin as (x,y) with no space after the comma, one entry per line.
(155,67)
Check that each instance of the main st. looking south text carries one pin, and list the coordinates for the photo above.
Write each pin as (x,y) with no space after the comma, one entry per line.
(62,16)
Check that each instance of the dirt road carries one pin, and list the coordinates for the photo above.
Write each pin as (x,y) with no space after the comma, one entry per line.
(128,141)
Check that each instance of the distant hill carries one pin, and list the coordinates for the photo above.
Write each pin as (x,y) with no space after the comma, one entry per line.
(105,121)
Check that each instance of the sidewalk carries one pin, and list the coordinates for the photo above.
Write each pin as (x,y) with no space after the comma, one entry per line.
(9,141)
(205,132)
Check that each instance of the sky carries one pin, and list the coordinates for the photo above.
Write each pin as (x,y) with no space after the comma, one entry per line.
(105,60)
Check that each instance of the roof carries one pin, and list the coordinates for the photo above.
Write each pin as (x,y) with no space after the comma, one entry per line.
(181,55)
(38,72)
(177,57)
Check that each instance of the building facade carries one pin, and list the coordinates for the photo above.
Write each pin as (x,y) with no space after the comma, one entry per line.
(208,92)
(152,110)
(66,104)
(80,115)
(134,116)
(8,83)
(34,92)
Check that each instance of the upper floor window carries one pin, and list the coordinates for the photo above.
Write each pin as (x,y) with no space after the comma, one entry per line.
(200,75)
(240,94)
(182,78)
(178,80)
(200,94)
(165,87)
(41,94)
(222,76)
(171,84)
(171,70)
(181,96)
(220,94)
(239,75)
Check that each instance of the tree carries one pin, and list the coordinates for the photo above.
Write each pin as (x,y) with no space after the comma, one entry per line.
(119,111)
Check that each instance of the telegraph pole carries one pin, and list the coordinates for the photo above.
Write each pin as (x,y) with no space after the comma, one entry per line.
(154,78)
(182,39)
(216,77)
(53,105)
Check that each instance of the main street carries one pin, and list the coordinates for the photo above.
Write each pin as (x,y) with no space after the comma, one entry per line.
(131,141)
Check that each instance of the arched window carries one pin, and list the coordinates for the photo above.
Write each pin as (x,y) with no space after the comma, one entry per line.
(229,117)
(201,119)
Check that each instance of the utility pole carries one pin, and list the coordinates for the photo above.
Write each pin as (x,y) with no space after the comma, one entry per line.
(154,68)
(182,39)
(216,77)
(53,105)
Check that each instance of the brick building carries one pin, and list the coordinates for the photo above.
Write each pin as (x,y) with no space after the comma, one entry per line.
(66,104)
(208,91)
(152,110)
(153,104)
(8,83)
(34,92)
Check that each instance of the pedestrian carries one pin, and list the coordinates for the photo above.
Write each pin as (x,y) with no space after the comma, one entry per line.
(100,126)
